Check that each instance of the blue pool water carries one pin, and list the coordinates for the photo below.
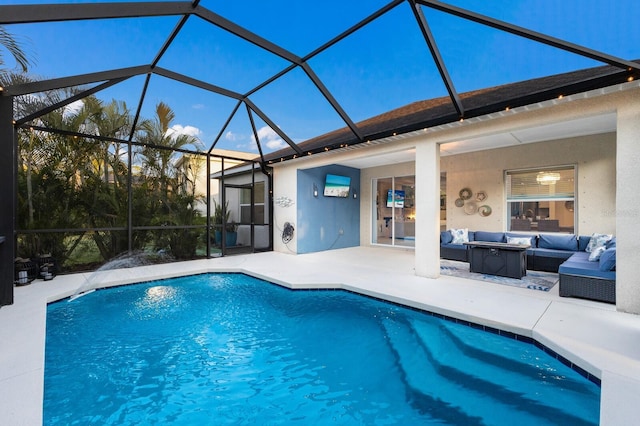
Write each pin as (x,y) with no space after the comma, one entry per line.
(220,349)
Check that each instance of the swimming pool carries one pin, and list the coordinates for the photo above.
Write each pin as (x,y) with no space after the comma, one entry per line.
(232,349)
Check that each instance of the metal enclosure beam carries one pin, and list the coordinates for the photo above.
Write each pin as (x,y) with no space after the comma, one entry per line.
(8,185)
(22,14)
(77,80)
(334,103)
(437,57)
(245,34)
(197,83)
(67,101)
(531,35)
(353,29)
(224,127)
(255,135)
(273,126)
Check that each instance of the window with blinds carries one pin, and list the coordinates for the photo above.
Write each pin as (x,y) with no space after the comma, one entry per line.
(541,200)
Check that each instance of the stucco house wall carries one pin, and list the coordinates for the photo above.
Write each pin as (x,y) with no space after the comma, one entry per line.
(594,157)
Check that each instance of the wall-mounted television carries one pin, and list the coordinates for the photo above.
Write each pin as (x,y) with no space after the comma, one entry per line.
(337,186)
(395,198)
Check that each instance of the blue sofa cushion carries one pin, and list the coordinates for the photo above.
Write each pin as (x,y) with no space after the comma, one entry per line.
(446,237)
(583,242)
(454,246)
(493,237)
(553,253)
(578,264)
(533,238)
(558,242)
(608,260)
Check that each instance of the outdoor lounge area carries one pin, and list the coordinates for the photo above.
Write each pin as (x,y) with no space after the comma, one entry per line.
(582,274)
(277,142)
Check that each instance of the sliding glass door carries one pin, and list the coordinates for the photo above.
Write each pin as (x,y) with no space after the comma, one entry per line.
(394,211)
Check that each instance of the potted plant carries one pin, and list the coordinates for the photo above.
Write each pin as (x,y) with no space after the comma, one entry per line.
(231,234)
(221,216)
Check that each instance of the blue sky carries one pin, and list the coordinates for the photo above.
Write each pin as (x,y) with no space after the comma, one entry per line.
(383,66)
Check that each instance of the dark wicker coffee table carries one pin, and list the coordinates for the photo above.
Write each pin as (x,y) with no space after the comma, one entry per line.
(503,259)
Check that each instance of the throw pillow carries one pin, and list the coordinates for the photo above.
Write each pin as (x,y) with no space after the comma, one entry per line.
(608,260)
(611,243)
(519,240)
(597,240)
(533,239)
(460,236)
(445,237)
(595,254)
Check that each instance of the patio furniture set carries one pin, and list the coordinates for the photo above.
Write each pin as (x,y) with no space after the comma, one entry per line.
(586,265)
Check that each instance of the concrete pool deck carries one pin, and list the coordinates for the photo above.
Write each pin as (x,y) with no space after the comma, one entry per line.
(592,335)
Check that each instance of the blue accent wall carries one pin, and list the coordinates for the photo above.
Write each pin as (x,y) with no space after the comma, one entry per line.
(321,219)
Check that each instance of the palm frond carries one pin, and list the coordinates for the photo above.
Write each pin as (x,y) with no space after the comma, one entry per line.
(14,48)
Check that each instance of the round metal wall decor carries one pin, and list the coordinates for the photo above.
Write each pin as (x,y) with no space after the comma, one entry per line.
(484,211)
(471,207)
(465,193)
(459,202)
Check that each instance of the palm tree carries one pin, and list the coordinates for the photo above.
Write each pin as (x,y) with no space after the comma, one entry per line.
(9,43)
(171,204)
(69,181)
(157,132)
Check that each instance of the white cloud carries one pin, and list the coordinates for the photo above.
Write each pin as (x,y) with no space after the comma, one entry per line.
(270,138)
(73,108)
(197,106)
(178,129)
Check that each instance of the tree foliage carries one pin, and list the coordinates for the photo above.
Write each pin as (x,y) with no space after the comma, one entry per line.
(82,183)
(9,43)
(81,188)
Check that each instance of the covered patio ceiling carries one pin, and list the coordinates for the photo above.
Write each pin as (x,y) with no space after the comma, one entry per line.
(284,85)
(591,125)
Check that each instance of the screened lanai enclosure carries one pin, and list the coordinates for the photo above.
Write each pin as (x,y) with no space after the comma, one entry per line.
(150,127)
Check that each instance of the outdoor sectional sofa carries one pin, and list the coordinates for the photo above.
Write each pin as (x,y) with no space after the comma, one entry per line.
(562,253)
(582,278)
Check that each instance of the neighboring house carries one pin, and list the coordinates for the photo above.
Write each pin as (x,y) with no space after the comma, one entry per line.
(246,186)
(566,164)
(194,173)
(240,180)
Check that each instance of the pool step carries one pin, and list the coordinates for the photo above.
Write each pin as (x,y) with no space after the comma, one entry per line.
(436,368)
(461,348)
(423,377)
(484,349)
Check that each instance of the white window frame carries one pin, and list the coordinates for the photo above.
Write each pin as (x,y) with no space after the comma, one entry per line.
(509,199)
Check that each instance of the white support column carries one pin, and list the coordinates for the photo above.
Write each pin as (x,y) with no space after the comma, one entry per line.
(427,251)
(628,206)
